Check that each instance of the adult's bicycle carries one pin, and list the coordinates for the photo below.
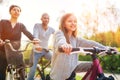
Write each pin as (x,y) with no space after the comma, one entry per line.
(13,55)
(43,66)
(14,58)
(95,72)
(43,69)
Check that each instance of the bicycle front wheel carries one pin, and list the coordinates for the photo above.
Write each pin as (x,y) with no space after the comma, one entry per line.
(10,75)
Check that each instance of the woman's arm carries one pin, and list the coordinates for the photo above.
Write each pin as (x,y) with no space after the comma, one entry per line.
(1,41)
(0,29)
(27,33)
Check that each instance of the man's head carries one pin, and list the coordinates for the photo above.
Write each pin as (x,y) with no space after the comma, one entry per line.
(45,19)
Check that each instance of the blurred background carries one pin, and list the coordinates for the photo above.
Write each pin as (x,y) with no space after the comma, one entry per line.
(98,20)
(94,16)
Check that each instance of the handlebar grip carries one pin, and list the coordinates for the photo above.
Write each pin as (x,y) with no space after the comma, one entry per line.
(73,49)
(111,52)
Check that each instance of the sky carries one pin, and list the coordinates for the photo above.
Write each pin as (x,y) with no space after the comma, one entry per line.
(33,9)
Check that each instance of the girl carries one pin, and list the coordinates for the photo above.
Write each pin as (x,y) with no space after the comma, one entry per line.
(64,64)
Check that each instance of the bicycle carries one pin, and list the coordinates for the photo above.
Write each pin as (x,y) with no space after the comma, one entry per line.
(13,72)
(13,56)
(96,68)
(43,67)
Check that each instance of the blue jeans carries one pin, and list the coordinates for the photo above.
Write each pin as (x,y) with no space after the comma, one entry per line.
(36,57)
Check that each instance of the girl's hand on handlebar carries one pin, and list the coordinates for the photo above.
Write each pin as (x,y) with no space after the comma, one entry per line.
(67,48)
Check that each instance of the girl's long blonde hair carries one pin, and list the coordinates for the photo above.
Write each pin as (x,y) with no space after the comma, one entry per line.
(62,26)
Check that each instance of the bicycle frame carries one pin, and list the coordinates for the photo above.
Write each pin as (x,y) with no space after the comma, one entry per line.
(12,70)
(94,71)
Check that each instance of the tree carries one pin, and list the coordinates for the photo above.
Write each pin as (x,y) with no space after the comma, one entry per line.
(100,19)
(117,39)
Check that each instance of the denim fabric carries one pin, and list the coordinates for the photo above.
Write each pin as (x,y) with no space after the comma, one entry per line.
(36,57)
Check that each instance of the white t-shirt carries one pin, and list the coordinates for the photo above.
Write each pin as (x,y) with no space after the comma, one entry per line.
(43,35)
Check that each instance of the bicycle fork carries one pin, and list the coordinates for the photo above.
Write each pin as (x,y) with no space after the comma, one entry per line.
(41,72)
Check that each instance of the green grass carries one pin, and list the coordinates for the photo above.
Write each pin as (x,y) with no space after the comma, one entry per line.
(78,77)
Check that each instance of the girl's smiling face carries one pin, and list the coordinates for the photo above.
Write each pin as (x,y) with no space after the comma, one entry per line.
(68,24)
(71,23)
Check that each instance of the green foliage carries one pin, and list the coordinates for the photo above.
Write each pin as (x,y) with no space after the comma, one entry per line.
(27,53)
(117,39)
(112,39)
(119,49)
(84,58)
(109,38)
(78,77)
(111,62)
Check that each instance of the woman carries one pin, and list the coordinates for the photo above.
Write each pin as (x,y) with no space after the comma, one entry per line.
(12,29)
(64,64)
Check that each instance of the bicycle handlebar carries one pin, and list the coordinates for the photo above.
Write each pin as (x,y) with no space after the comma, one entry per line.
(11,48)
(93,50)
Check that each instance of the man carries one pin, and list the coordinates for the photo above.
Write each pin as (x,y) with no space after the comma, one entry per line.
(11,29)
(41,31)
